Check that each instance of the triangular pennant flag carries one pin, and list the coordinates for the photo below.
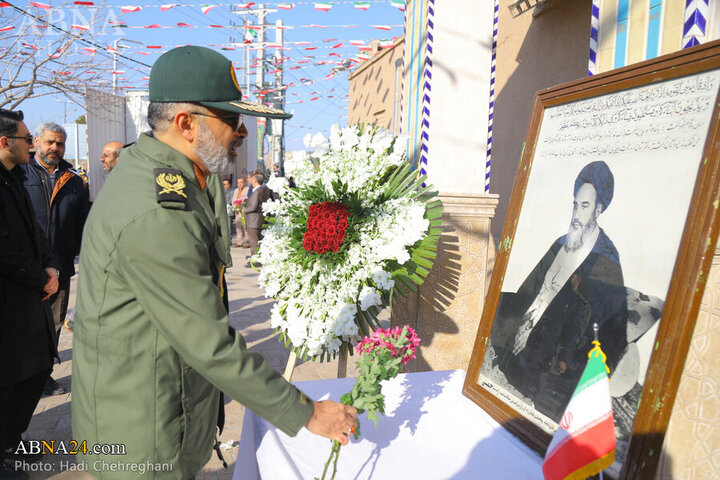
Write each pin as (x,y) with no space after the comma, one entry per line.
(84,4)
(337,46)
(4,4)
(187,25)
(398,4)
(154,25)
(286,6)
(84,28)
(357,43)
(130,9)
(245,5)
(383,27)
(362,5)
(167,6)
(44,6)
(6,29)
(323,6)
(584,443)
(206,8)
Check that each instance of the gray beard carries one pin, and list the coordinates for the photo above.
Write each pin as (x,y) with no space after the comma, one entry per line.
(211,152)
(47,161)
(576,236)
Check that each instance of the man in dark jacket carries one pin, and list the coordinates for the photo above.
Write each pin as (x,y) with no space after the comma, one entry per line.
(254,217)
(61,203)
(28,276)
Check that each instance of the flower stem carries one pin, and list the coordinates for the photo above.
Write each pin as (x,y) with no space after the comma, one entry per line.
(337,455)
(334,451)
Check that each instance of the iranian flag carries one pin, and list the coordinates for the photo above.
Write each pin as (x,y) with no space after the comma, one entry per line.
(584,443)
(323,6)
(398,4)
(130,9)
(362,5)
(250,36)
(167,6)
(286,6)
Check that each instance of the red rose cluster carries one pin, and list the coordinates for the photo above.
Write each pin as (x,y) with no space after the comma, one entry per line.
(326,225)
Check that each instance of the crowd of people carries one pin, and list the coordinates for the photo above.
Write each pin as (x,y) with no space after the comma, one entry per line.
(153,352)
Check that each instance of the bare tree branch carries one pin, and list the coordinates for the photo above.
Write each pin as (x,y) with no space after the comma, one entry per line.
(39,58)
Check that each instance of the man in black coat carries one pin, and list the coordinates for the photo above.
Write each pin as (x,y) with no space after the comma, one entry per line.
(254,217)
(60,199)
(28,277)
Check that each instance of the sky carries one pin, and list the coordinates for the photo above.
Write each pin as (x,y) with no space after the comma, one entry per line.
(316,101)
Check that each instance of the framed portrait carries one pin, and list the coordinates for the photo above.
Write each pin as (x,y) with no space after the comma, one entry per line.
(612,223)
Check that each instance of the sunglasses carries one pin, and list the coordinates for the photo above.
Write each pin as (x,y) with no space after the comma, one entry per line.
(232,120)
(28,138)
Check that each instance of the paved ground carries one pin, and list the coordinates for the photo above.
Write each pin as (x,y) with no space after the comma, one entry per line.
(249,313)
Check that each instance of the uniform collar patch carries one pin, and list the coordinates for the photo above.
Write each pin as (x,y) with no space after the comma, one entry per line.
(169,185)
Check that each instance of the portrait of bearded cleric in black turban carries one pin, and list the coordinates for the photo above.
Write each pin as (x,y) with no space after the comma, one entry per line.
(543,331)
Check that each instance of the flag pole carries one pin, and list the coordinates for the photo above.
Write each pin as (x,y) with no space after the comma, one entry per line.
(595,337)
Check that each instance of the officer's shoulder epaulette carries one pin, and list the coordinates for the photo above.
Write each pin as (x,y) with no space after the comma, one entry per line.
(170,188)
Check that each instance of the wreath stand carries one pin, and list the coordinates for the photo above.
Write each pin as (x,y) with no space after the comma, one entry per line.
(342,363)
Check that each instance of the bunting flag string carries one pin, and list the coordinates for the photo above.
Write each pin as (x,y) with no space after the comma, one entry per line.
(320,6)
(255,27)
(333,54)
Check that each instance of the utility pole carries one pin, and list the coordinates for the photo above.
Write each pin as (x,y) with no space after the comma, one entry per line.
(116,45)
(278,101)
(260,66)
(260,83)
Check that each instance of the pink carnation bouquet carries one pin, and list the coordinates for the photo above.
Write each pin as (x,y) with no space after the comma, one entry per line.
(383,355)
(238,205)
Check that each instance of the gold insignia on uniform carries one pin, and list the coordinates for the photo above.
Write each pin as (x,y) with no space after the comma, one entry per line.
(171,183)
(234,79)
(303,399)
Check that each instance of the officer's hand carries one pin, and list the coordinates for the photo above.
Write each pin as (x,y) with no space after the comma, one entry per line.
(52,284)
(333,420)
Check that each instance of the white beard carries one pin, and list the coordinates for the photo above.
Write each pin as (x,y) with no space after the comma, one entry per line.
(211,152)
(576,236)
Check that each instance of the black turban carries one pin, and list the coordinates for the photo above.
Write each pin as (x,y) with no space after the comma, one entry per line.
(597,174)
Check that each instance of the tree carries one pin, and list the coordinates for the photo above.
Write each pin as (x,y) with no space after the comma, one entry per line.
(46,51)
(81,120)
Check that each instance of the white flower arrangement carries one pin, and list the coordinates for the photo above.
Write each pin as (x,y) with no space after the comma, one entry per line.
(359,224)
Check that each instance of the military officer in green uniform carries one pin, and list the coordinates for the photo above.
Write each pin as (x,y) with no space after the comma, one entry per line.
(152,345)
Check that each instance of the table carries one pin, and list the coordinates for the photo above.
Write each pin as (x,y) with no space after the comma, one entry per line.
(430,431)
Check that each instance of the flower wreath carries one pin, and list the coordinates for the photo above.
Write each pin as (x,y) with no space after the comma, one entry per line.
(359,225)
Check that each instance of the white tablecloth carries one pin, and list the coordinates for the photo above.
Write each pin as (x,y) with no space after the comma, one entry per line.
(430,431)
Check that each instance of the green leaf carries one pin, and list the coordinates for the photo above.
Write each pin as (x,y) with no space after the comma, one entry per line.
(422,261)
